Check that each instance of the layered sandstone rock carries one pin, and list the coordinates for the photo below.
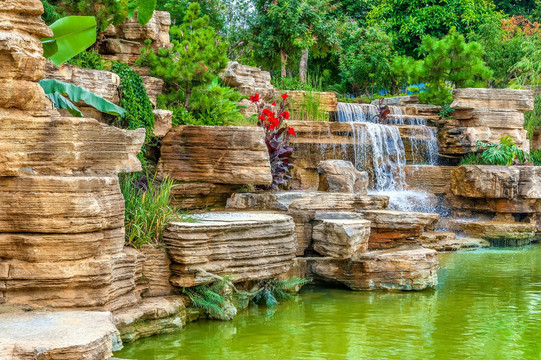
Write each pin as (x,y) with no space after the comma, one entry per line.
(248,246)
(211,160)
(342,177)
(448,241)
(153,316)
(434,179)
(124,42)
(391,228)
(495,230)
(153,87)
(395,269)
(156,272)
(70,335)
(249,80)
(306,206)
(341,238)
(485,115)
(163,122)
(61,209)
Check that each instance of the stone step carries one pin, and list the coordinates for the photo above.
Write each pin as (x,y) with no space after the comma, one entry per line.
(65,335)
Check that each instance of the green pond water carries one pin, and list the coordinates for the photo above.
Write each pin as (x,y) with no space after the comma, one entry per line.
(487,306)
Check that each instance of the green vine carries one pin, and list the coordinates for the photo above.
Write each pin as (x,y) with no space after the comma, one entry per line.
(134,98)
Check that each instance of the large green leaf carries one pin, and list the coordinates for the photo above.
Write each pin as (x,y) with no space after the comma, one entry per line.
(76,93)
(60,102)
(145,10)
(72,35)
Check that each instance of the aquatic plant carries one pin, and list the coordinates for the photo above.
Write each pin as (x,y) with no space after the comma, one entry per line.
(277,136)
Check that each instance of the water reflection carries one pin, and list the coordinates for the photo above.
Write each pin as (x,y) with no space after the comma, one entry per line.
(487,306)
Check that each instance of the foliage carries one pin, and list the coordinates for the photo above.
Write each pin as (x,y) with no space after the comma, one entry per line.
(366,58)
(535,157)
(532,119)
(147,208)
(273,291)
(89,60)
(310,108)
(410,21)
(51,13)
(446,112)
(450,60)
(276,138)
(113,12)
(516,7)
(134,98)
(196,57)
(212,296)
(284,28)
(54,89)
(505,153)
(72,34)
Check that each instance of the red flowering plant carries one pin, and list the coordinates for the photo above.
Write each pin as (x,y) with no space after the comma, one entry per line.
(277,136)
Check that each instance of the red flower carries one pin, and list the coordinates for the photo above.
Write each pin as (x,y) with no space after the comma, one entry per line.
(285,114)
(274,103)
(291,131)
(271,126)
(267,112)
(275,122)
(254,98)
(261,117)
(284,96)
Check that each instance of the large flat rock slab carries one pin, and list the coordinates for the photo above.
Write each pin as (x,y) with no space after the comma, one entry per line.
(498,232)
(71,335)
(249,246)
(395,269)
(304,206)
(482,98)
(341,238)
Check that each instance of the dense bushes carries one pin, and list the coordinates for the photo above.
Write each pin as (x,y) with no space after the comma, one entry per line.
(505,153)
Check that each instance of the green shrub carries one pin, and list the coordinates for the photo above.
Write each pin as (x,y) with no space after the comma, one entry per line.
(310,108)
(532,119)
(147,208)
(134,99)
(210,297)
(505,153)
(90,59)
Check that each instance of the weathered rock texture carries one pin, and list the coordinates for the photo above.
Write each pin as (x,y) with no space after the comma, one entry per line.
(70,335)
(153,316)
(485,115)
(212,161)
(249,246)
(249,80)
(434,179)
(391,228)
(495,230)
(61,209)
(341,238)
(395,269)
(124,42)
(163,122)
(306,206)
(448,241)
(341,176)
(156,271)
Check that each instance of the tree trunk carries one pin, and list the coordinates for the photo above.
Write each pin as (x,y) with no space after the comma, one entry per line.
(283,63)
(303,66)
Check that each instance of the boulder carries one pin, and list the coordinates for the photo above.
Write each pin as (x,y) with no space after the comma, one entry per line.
(495,230)
(482,98)
(153,87)
(392,228)
(249,80)
(153,316)
(163,122)
(67,335)
(342,177)
(216,154)
(395,269)
(248,246)
(341,238)
(201,195)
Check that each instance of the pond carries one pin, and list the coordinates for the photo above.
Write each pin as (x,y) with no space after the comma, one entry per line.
(487,306)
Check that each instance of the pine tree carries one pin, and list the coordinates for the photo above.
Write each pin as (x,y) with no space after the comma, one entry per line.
(196,57)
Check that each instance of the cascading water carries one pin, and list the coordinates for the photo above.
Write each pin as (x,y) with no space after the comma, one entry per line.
(380,150)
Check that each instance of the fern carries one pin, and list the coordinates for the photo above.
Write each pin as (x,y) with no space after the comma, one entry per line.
(210,297)
(273,291)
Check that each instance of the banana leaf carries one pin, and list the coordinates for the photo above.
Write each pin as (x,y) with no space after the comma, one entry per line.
(72,35)
(60,102)
(76,93)
(145,10)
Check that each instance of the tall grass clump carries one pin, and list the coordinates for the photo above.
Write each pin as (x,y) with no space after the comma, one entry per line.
(310,108)
(148,209)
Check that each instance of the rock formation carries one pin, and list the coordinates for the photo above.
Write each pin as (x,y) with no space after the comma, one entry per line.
(485,115)
(61,210)
(341,176)
(212,162)
(124,42)
(248,246)
(249,80)
(341,238)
